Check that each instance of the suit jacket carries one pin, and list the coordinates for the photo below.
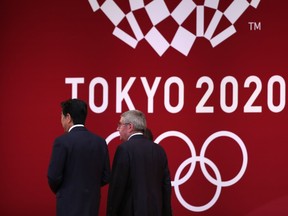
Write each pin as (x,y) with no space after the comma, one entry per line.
(140,182)
(79,166)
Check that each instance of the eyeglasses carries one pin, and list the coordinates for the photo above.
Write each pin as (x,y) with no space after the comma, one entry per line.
(120,124)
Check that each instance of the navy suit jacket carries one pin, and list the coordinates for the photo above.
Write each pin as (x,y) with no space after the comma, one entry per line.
(140,182)
(79,166)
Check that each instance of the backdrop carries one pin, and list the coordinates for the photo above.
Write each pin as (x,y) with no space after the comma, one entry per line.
(211,77)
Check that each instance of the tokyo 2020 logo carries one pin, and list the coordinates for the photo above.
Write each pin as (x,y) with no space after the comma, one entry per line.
(159,11)
(204,162)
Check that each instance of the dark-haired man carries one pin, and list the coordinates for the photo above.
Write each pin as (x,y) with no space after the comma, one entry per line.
(79,164)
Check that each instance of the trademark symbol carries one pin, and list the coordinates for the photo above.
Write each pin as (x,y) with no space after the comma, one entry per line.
(254,26)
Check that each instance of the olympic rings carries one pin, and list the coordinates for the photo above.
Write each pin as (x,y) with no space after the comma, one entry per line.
(218,182)
(177,190)
(244,154)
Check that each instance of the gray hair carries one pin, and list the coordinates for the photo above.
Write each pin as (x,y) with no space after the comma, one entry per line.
(135,117)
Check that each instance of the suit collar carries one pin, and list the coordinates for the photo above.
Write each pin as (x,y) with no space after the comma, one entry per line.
(76,126)
(135,135)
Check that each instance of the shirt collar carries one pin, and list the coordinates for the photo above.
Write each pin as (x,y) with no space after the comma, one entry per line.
(138,133)
(77,125)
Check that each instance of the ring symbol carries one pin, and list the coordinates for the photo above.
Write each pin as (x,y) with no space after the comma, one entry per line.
(244,154)
(203,162)
(193,160)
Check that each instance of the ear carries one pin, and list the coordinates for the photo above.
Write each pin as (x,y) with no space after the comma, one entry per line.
(68,116)
(130,127)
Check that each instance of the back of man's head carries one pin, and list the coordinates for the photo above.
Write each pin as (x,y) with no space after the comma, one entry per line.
(77,110)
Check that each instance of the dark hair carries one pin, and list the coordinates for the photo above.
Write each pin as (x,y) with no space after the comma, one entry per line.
(77,110)
(148,134)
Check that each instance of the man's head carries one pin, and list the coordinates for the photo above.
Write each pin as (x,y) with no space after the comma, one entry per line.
(74,111)
(131,122)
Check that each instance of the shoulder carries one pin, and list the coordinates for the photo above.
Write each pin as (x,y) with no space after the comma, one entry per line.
(124,145)
(97,138)
(80,133)
(160,149)
(62,137)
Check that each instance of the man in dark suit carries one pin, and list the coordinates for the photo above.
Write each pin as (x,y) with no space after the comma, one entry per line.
(79,164)
(140,182)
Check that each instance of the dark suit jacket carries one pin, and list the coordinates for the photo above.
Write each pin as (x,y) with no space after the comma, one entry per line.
(79,166)
(140,183)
